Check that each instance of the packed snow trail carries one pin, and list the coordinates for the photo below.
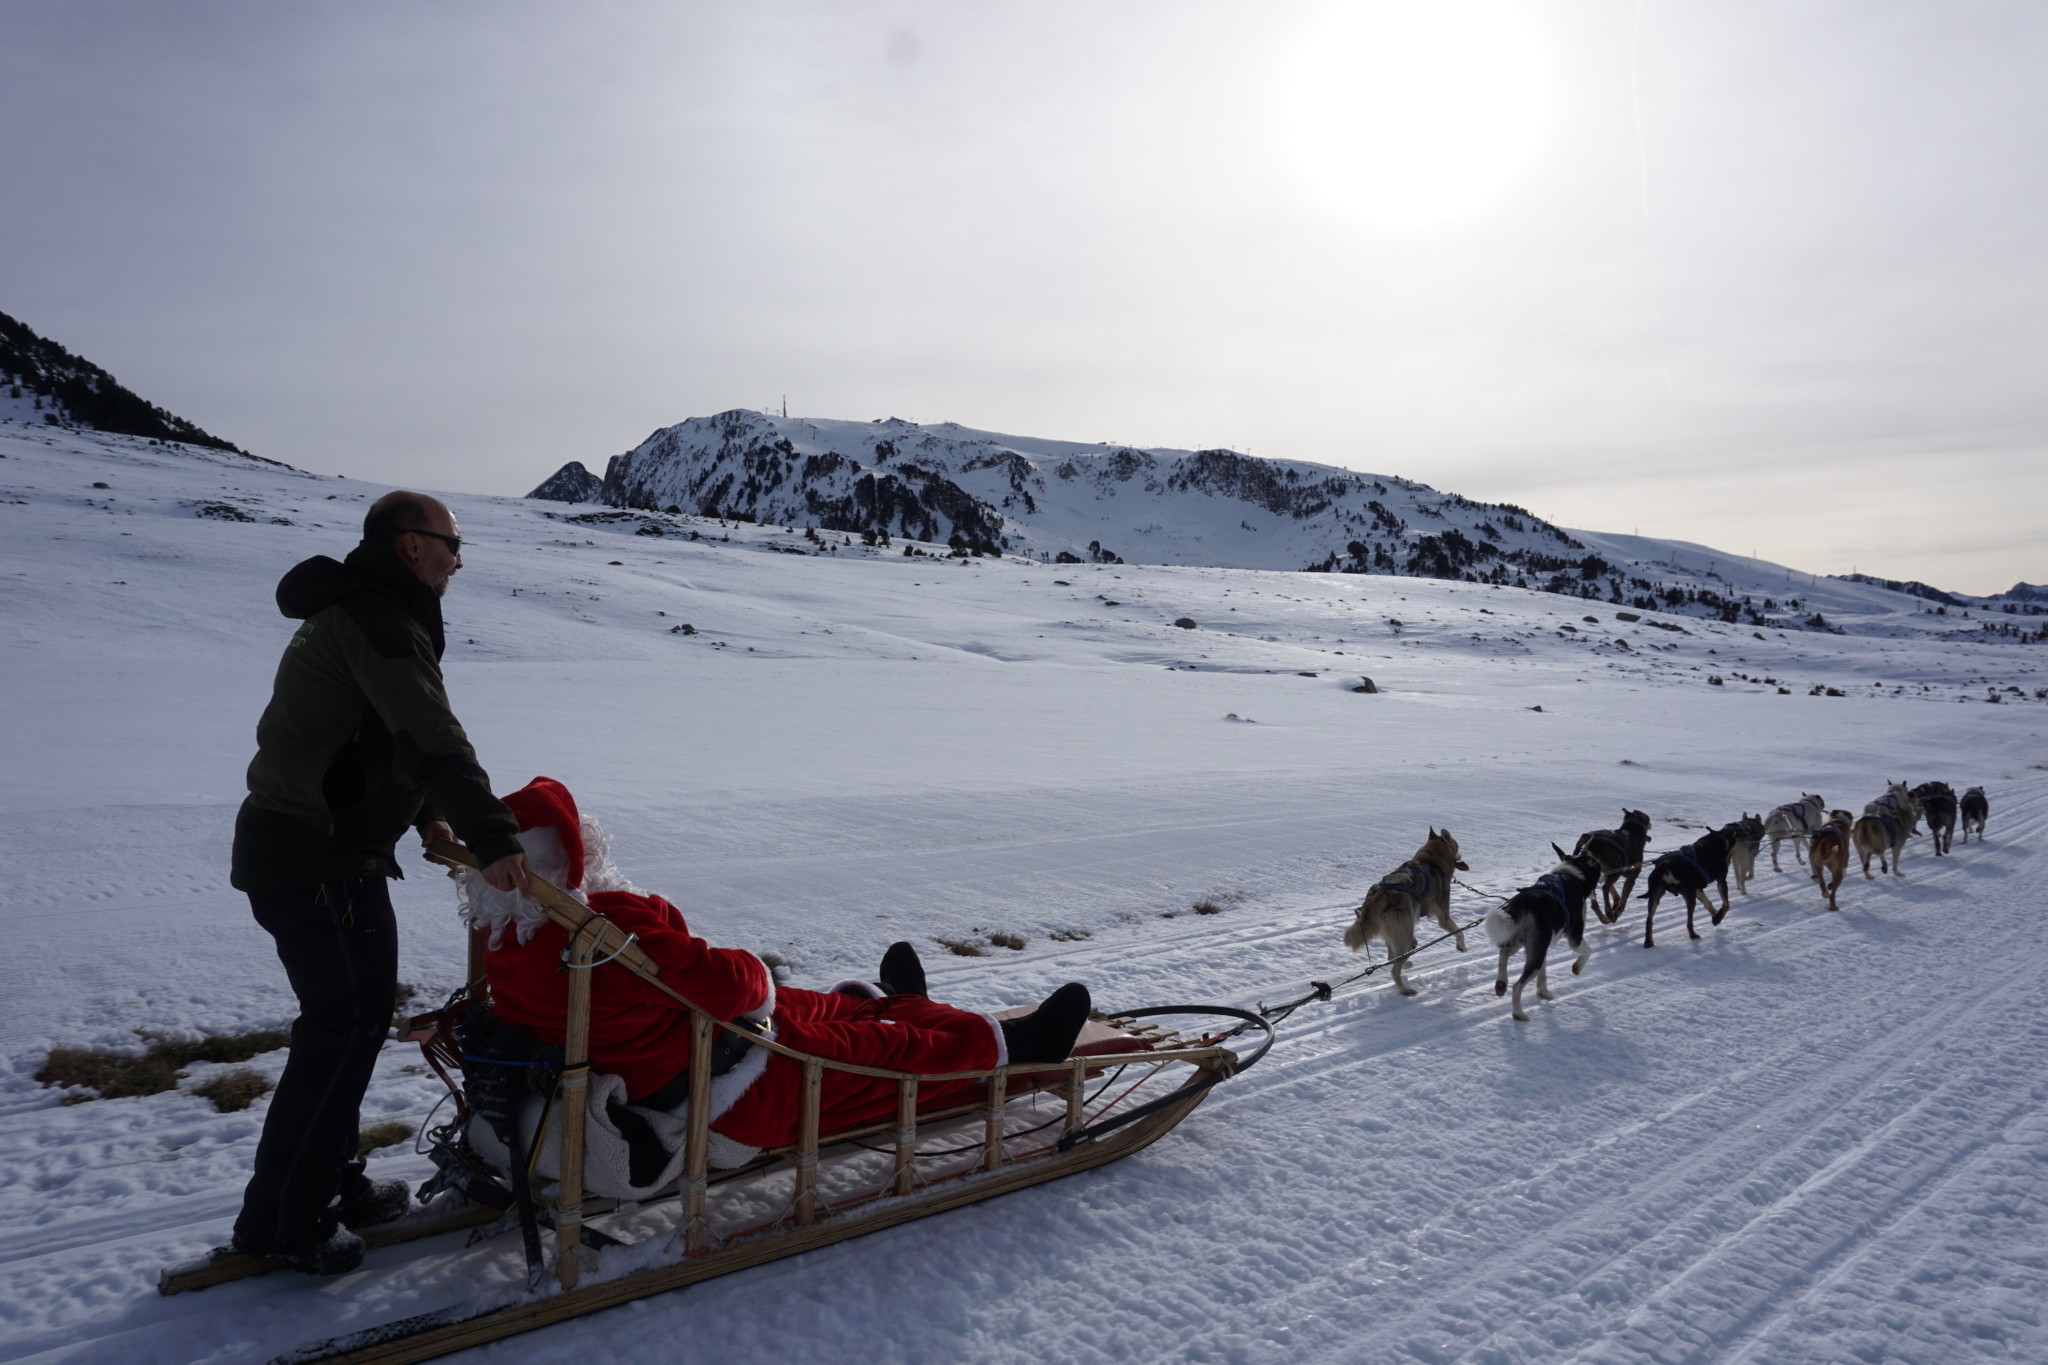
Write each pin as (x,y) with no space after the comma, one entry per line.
(1806,1137)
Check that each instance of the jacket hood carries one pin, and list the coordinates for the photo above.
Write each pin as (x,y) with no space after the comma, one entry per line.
(315,584)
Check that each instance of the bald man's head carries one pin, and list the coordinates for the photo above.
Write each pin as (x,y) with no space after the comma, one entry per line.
(420,531)
(402,510)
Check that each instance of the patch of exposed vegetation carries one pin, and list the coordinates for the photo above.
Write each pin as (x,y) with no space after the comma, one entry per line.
(962,947)
(389,1133)
(91,1073)
(1069,935)
(234,1091)
(1206,907)
(1002,939)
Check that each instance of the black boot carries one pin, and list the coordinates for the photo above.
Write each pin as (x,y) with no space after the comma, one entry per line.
(378,1201)
(1047,1034)
(902,973)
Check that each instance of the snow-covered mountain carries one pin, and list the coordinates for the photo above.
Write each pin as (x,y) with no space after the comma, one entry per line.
(1067,502)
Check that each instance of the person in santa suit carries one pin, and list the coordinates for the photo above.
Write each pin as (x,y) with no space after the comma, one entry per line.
(642,1035)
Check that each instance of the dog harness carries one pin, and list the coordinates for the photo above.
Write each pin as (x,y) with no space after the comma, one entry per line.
(1552,885)
(1610,840)
(1691,854)
(1798,811)
(1405,878)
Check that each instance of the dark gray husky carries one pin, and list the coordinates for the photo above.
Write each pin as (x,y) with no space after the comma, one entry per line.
(1533,916)
(1689,871)
(1938,803)
(1976,810)
(1620,855)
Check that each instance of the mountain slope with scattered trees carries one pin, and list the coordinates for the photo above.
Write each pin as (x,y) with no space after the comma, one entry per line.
(41,381)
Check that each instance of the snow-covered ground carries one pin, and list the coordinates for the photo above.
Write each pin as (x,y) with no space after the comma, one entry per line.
(1807,1137)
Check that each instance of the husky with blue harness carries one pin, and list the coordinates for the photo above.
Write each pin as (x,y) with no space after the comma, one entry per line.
(1421,886)
(1533,916)
(1689,872)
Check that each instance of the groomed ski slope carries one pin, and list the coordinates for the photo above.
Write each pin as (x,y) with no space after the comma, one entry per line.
(1807,1137)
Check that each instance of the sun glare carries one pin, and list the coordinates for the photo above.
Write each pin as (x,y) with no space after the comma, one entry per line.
(1410,113)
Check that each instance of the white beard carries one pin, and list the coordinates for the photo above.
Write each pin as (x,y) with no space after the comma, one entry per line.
(482,907)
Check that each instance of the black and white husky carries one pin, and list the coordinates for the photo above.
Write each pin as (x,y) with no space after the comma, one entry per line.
(1976,810)
(1532,917)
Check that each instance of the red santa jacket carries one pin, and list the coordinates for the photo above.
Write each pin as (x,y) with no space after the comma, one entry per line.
(636,1032)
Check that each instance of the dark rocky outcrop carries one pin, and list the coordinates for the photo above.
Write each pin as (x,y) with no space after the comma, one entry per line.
(571,483)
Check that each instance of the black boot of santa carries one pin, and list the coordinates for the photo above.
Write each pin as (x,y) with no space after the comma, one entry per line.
(1047,1034)
(901,973)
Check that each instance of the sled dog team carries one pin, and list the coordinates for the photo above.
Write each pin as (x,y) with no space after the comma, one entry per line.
(1607,862)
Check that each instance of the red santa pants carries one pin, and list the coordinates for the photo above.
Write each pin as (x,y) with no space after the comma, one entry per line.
(895,1032)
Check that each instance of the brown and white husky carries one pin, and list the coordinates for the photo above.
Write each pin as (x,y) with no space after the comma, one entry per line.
(1421,886)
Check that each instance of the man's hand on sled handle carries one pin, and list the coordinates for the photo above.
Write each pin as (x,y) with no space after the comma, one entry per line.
(503,875)
(438,830)
(509,872)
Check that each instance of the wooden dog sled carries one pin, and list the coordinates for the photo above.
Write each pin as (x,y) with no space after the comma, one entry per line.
(837,1185)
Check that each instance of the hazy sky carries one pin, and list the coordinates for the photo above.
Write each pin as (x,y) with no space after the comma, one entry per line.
(1772,274)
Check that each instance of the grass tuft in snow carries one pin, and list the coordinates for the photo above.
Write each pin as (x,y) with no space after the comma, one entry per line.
(1206,907)
(389,1133)
(234,1091)
(1002,939)
(102,1073)
(962,947)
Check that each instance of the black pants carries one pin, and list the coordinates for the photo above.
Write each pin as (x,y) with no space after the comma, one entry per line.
(339,946)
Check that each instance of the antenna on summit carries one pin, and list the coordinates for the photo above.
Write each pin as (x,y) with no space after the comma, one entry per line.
(785,405)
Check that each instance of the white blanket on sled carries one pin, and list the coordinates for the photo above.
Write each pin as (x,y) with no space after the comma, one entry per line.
(607,1163)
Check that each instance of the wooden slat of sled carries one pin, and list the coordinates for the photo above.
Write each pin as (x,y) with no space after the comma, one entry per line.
(430,1335)
(235,1266)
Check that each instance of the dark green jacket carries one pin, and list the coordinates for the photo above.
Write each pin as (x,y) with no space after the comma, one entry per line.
(358,743)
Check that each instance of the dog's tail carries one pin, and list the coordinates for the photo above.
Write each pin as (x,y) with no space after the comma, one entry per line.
(1500,926)
(1355,936)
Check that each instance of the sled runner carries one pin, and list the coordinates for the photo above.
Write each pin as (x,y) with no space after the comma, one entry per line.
(1128,1081)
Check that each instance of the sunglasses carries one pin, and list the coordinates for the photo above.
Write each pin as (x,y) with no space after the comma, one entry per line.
(454,543)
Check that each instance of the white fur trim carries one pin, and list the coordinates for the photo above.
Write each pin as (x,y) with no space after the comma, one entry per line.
(724,1154)
(727,1089)
(870,989)
(607,1159)
(1002,1043)
(762,1012)
(725,1093)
